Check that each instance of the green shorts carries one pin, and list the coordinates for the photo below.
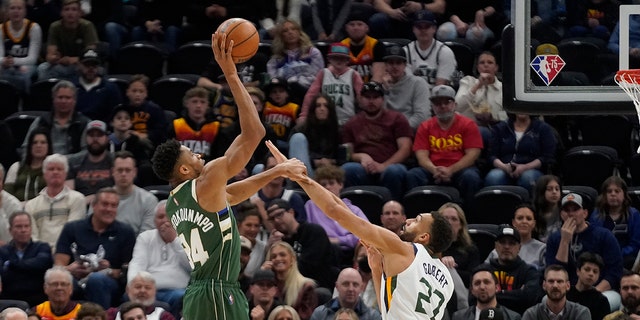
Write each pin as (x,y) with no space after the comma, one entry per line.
(210,299)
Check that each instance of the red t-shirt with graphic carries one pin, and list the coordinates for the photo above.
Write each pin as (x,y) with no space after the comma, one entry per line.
(446,147)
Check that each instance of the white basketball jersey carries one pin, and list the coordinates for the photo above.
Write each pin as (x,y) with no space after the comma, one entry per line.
(340,88)
(421,291)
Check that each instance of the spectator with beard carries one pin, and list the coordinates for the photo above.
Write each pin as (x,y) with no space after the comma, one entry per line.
(519,282)
(484,286)
(90,170)
(142,289)
(630,293)
(556,284)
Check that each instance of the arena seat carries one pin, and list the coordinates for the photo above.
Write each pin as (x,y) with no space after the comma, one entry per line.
(140,58)
(589,165)
(39,98)
(169,90)
(10,98)
(19,123)
(484,237)
(192,58)
(428,198)
(465,58)
(496,204)
(369,199)
(161,191)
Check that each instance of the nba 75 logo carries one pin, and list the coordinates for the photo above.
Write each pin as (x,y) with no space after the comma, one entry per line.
(547,67)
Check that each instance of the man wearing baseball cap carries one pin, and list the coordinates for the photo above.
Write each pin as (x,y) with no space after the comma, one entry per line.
(447,147)
(518,281)
(577,236)
(263,292)
(378,161)
(365,52)
(407,93)
(90,169)
(427,57)
(96,96)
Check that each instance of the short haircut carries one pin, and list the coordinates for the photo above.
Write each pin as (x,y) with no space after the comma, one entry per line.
(57,269)
(16,214)
(247,209)
(481,268)
(123,154)
(64,84)
(90,309)
(329,173)
(161,204)
(140,78)
(104,190)
(55,158)
(441,233)
(590,257)
(128,306)
(555,267)
(165,159)
(198,92)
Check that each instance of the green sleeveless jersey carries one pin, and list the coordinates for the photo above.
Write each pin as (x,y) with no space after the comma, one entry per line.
(211,240)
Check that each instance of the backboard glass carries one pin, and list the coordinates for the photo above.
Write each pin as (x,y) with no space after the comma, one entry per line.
(524,92)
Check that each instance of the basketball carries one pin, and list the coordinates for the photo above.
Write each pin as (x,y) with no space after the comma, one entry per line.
(245,38)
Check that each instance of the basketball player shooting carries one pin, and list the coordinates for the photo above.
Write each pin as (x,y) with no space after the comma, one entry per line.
(199,205)
(410,280)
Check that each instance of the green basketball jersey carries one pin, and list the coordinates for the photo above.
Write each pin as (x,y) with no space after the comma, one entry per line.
(211,240)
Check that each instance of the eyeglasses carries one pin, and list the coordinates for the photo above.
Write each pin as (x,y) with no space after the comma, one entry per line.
(276,215)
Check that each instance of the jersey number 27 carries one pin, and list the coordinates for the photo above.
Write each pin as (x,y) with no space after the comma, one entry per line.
(427,298)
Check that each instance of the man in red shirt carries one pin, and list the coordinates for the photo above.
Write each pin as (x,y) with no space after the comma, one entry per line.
(447,147)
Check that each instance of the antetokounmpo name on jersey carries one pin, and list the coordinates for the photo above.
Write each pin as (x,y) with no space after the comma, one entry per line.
(193,216)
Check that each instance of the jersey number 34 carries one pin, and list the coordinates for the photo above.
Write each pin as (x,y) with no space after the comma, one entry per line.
(194,249)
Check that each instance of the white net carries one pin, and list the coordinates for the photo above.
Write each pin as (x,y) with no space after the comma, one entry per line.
(629,81)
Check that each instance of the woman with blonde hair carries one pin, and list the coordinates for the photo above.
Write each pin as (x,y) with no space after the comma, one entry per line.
(462,255)
(294,58)
(294,289)
(284,312)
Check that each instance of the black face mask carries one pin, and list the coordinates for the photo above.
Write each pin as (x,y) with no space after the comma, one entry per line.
(363,265)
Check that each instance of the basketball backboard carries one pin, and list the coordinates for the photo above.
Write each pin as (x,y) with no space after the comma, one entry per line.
(523,91)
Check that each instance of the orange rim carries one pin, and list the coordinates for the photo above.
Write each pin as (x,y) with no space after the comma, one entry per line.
(626,75)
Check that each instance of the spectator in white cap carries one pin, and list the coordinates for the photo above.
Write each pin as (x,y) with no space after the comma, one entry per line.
(447,147)
(577,236)
(90,169)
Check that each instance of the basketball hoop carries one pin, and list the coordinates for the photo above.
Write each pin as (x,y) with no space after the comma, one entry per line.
(629,81)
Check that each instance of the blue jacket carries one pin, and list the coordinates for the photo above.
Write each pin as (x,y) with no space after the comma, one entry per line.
(23,277)
(538,142)
(631,245)
(593,239)
(98,102)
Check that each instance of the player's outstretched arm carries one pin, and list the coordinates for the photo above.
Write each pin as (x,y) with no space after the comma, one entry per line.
(242,190)
(336,209)
(239,153)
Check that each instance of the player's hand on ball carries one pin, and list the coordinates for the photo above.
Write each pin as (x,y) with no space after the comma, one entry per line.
(222,52)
